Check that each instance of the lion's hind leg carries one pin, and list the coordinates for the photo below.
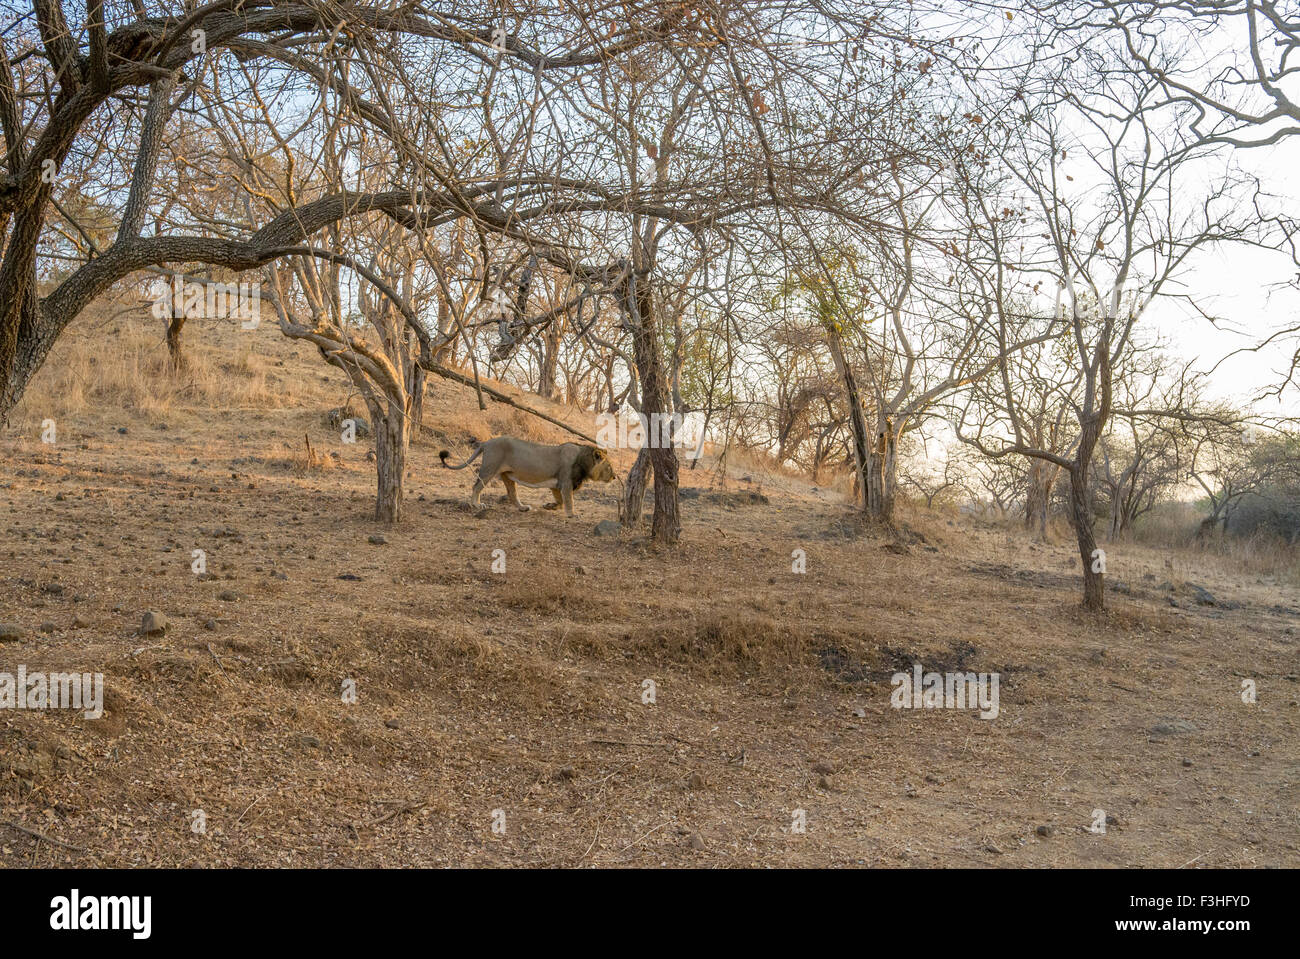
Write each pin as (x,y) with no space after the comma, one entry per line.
(485,476)
(487,472)
(513,493)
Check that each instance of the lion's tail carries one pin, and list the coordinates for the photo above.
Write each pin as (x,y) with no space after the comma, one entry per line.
(444,454)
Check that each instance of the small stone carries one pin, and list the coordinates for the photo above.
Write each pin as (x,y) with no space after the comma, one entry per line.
(48,627)
(392,724)
(607,527)
(1187,763)
(79,622)
(377,540)
(210,625)
(1046,831)
(153,623)
(824,783)
(121,430)
(696,781)
(823,768)
(1173,727)
(566,772)
(697,842)
(227,596)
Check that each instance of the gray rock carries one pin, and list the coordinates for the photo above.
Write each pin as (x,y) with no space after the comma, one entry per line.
(153,623)
(11,632)
(608,527)
(337,416)
(1173,727)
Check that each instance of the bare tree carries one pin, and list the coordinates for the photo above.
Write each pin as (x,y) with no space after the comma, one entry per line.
(1110,246)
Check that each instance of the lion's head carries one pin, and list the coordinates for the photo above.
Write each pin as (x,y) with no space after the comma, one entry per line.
(592,464)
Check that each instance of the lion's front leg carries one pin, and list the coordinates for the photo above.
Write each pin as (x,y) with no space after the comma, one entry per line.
(559,500)
(566,493)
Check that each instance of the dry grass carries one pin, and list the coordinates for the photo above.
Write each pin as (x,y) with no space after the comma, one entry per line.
(122,364)
(523,691)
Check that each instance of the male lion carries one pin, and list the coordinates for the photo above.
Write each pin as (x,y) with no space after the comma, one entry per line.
(561,469)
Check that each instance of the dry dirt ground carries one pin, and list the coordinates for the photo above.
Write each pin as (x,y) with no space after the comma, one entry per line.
(515,699)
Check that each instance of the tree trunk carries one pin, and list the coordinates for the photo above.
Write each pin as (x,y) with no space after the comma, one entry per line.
(1116,518)
(550,356)
(1094,574)
(666,524)
(634,489)
(415,382)
(174,349)
(1042,477)
(392,434)
(882,474)
(857,422)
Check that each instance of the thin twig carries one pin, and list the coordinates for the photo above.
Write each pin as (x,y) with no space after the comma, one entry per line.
(41,835)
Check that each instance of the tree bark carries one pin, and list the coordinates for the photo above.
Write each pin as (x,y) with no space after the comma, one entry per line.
(550,357)
(857,422)
(1094,576)
(882,474)
(1042,478)
(392,433)
(666,523)
(174,348)
(634,489)
(415,383)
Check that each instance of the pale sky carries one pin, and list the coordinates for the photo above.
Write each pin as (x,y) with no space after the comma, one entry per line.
(1240,285)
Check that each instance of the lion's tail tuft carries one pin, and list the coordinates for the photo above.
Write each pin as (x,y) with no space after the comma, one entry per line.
(443,454)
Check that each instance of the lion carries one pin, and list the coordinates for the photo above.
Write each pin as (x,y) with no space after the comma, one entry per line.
(561,469)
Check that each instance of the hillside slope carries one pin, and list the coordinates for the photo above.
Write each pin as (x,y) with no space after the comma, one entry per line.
(516,699)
